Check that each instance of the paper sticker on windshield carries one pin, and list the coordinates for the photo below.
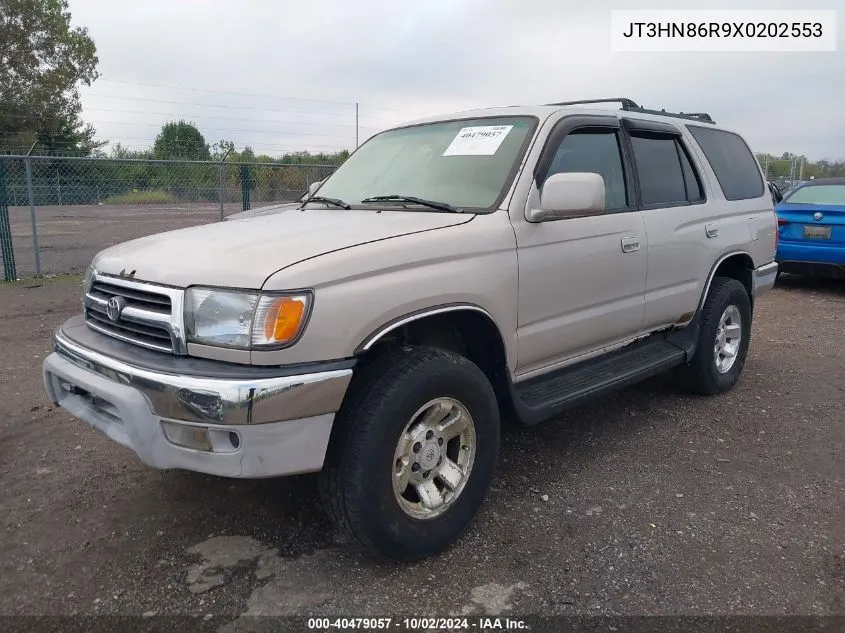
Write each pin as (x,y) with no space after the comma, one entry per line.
(481,140)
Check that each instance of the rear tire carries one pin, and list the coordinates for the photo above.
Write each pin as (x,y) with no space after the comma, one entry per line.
(723,340)
(388,436)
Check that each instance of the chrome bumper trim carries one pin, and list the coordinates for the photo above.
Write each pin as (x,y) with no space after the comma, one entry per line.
(763,279)
(217,400)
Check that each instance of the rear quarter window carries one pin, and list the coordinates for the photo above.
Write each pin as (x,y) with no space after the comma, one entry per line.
(733,163)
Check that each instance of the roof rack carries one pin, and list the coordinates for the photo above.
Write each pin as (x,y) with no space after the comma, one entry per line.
(629,105)
(703,117)
(626,103)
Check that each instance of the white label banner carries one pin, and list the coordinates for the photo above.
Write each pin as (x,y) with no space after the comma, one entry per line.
(480,140)
(723,30)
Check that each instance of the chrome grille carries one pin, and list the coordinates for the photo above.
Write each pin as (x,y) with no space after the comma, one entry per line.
(149,315)
(139,298)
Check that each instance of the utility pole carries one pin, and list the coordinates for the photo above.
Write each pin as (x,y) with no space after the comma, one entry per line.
(356,125)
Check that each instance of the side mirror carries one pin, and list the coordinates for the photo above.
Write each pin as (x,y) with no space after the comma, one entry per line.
(569,195)
(312,188)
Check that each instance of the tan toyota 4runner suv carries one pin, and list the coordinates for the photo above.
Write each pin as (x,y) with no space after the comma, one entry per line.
(455,272)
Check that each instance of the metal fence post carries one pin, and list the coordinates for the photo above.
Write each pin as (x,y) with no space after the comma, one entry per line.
(221,186)
(245,184)
(9,271)
(31,194)
(220,189)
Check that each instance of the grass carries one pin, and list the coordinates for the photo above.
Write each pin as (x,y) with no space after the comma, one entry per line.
(43,279)
(151,196)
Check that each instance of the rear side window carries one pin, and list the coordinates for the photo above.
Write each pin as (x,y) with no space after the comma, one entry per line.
(693,185)
(666,174)
(733,163)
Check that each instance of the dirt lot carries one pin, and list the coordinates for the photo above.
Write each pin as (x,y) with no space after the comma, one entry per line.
(658,502)
(69,236)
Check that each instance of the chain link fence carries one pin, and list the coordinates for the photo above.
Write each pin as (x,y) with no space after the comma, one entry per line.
(786,173)
(57,213)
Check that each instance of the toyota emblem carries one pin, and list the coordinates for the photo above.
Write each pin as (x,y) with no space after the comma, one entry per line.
(114,307)
(817,216)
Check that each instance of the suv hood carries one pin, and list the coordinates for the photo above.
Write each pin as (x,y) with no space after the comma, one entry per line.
(242,253)
(270,210)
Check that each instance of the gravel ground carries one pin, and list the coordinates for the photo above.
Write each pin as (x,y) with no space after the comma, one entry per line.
(647,502)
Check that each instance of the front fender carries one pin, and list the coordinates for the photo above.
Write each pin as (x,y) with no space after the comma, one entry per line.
(371,340)
(361,290)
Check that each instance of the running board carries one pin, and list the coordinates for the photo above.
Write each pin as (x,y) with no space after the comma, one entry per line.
(541,398)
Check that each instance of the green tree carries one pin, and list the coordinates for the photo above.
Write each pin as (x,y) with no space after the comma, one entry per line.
(119,151)
(42,62)
(181,140)
(221,148)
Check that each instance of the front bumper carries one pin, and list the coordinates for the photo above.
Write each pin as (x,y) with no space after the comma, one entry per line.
(253,427)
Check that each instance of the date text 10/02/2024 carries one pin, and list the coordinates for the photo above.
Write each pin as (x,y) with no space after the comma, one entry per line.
(417,624)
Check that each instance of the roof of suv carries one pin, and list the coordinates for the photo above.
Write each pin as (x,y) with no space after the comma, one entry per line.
(544,111)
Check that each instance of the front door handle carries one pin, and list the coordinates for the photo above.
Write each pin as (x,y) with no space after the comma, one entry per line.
(630,243)
(712,229)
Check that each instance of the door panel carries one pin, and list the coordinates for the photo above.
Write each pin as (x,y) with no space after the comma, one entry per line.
(581,280)
(680,256)
(682,225)
(578,290)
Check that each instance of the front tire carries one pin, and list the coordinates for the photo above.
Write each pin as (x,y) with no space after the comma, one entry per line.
(723,340)
(413,453)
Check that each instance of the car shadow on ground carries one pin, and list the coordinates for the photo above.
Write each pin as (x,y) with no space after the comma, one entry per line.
(287,514)
(803,283)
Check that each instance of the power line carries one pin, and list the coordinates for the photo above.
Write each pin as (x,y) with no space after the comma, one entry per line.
(217,105)
(245,94)
(238,94)
(226,118)
(232,107)
(226,129)
(193,116)
(29,135)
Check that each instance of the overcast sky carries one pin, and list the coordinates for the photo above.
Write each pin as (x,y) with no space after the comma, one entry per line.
(282,75)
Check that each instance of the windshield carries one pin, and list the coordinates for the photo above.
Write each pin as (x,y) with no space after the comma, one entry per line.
(818,194)
(466,163)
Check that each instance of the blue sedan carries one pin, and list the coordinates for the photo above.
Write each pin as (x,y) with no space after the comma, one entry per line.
(811,229)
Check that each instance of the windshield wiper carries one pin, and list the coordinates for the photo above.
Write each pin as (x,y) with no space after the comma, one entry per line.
(433,204)
(335,202)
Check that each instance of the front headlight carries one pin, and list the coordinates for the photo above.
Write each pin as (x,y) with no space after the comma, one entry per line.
(244,319)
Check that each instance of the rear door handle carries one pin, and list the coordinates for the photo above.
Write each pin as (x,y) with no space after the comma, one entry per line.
(630,243)
(712,229)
